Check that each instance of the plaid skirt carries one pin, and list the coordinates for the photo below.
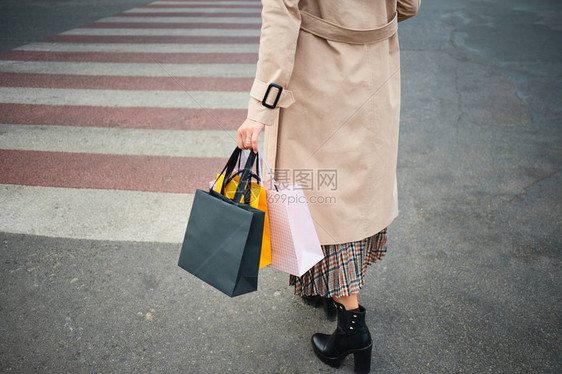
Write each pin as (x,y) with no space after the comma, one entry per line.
(343,268)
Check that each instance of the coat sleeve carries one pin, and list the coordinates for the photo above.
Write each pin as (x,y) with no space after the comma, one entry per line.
(279,32)
(407,9)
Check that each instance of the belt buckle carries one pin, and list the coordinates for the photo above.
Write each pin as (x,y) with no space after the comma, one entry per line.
(272,106)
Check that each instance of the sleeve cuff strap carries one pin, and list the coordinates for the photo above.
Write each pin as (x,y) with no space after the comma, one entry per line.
(258,91)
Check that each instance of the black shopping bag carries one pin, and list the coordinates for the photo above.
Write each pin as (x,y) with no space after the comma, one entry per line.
(222,243)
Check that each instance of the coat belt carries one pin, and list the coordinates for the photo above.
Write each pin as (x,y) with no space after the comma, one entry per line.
(332,31)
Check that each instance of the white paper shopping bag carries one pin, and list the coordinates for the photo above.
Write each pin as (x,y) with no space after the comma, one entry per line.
(295,247)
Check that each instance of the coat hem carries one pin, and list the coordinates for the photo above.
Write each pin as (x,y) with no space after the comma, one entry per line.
(359,237)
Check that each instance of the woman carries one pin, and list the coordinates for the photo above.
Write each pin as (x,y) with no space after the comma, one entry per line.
(327,92)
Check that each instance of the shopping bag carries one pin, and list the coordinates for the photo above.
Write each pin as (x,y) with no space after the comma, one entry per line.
(258,200)
(295,247)
(222,241)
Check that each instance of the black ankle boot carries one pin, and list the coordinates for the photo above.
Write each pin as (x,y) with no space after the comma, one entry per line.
(351,336)
(326,303)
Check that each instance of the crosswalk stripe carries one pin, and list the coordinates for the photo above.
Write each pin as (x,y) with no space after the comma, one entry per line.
(156,13)
(171,25)
(175,19)
(252,11)
(213,3)
(133,57)
(141,48)
(124,83)
(123,69)
(157,99)
(162,5)
(117,141)
(123,117)
(210,1)
(108,171)
(94,214)
(148,39)
(162,32)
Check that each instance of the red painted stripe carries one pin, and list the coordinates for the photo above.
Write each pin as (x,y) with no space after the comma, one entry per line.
(133,57)
(108,172)
(187,1)
(200,6)
(104,82)
(123,117)
(185,14)
(162,25)
(63,38)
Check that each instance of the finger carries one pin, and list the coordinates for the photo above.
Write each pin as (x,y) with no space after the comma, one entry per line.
(248,141)
(239,141)
(255,137)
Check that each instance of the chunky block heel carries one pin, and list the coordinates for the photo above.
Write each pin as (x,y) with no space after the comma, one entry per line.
(351,336)
(362,360)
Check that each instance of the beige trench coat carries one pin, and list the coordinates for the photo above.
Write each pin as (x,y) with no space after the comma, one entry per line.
(334,127)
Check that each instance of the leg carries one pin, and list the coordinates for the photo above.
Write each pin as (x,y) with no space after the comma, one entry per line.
(350,302)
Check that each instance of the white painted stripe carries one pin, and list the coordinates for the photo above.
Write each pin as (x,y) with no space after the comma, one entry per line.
(206,2)
(140,48)
(130,69)
(194,10)
(182,19)
(177,143)
(94,214)
(114,98)
(163,32)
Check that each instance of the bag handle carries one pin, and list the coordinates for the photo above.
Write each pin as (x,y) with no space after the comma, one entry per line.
(229,167)
(236,157)
(268,170)
(229,175)
(254,176)
(247,193)
(241,157)
(241,160)
(245,178)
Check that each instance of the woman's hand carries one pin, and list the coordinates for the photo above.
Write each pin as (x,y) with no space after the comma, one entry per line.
(248,134)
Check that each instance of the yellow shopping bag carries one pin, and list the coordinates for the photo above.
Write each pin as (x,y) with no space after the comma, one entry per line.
(258,200)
